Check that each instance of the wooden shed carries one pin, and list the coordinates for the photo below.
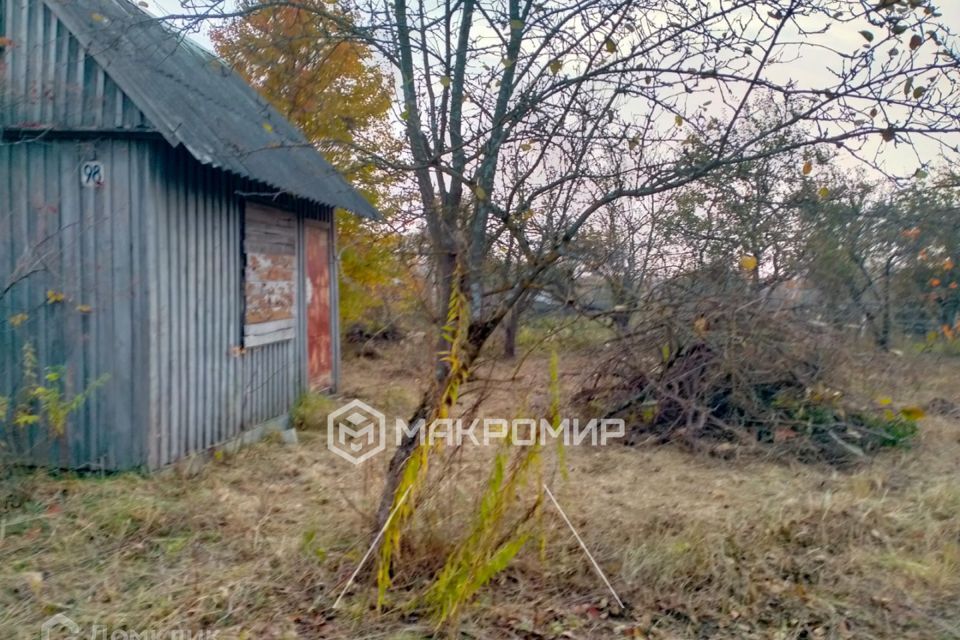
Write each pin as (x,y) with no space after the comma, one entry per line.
(163,231)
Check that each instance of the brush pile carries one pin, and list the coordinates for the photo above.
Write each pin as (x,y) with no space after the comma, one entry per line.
(726,369)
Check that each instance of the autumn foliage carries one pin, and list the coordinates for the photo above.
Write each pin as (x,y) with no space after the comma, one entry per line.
(332,88)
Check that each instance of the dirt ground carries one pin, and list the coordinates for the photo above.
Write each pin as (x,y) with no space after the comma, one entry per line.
(260,543)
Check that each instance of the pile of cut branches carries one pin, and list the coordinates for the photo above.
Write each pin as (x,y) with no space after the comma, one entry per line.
(717,365)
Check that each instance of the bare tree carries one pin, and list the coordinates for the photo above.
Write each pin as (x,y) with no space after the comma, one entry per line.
(526,119)
(625,249)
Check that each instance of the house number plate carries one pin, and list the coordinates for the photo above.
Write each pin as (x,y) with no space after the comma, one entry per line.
(92,174)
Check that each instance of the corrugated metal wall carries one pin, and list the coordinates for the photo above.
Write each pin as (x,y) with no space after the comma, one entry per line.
(49,79)
(204,388)
(86,244)
(156,253)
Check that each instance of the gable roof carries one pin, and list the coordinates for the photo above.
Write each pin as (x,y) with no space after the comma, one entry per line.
(193,99)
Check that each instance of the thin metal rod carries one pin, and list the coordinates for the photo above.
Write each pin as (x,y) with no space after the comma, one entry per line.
(372,546)
(583,546)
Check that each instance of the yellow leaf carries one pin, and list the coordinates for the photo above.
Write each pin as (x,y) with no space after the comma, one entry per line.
(748,262)
(526,146)
(507,62)
(610,45)
(480,193)
(648,413)
(912,413)
(884,400)
(807,168)
(268,127)
(18,319)
(700,326)
(678,120)
(824,193)
(556,66)
(633,143)
(84,308)
(96,17)
(444,81)
(54,297)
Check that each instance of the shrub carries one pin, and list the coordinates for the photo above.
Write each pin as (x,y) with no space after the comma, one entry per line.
(310,411)
(713,362)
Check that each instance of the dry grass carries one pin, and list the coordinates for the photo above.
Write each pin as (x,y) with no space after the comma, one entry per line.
(258,544)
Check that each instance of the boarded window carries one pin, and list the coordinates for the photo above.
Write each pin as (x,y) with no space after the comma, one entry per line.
(270,244)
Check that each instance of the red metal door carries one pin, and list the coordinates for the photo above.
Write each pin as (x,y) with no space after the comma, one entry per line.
(319,326)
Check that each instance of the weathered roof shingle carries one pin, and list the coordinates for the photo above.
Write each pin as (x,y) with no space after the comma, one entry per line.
(195,100)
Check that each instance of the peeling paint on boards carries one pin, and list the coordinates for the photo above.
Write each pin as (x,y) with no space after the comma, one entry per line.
(319,330)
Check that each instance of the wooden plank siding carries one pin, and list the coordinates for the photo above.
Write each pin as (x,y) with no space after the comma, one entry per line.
(270,270)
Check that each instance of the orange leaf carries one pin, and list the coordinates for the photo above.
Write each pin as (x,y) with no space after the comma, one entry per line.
(782,434)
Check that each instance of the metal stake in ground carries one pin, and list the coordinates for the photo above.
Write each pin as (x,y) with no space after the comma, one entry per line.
(372,547)
(584,547)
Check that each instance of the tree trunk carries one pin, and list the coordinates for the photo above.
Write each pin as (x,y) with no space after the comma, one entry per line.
(477,336)
(883,337)
(512,328)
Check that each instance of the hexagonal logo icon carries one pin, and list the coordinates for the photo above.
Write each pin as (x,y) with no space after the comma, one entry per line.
(59,622)
(356,431)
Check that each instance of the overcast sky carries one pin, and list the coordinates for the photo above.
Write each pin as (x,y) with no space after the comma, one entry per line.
(808,71)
